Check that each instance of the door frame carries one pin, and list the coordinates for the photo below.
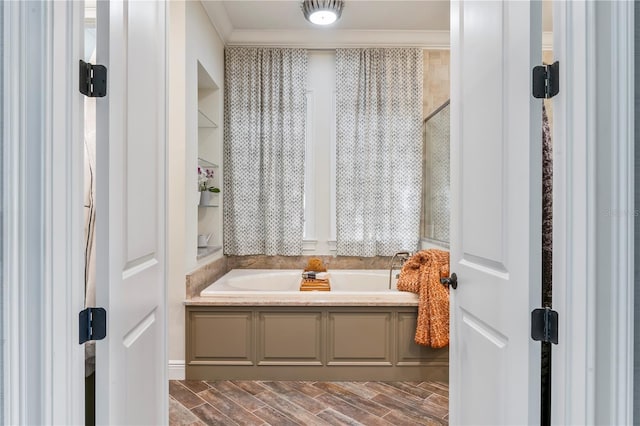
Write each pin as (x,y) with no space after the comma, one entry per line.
(53,389)
(43,289)
(593,218)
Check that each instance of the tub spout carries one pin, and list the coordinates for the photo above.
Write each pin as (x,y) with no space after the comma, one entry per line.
(403,256)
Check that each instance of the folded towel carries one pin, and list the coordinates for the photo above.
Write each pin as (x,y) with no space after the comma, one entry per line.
(421,274)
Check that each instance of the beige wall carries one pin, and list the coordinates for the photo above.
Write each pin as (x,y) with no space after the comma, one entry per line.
(437,83)
(436,79)
(192,39)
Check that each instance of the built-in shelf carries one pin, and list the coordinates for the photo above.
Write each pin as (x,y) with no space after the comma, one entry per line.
(205,122)
(207,251)
(210,205)
(204,163)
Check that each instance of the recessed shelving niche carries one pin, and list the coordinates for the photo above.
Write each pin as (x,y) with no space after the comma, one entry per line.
(208,211)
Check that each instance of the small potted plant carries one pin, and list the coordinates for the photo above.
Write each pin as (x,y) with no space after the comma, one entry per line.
(208,191)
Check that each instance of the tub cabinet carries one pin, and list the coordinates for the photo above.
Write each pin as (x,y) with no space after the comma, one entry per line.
(308,343)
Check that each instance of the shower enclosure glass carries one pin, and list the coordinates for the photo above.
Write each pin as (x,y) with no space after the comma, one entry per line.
(435,185)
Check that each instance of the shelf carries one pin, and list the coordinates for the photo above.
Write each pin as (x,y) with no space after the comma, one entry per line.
(204,163)
(206,251)
(205,122)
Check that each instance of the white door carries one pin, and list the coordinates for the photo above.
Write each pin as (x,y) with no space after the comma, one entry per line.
(496,212)
(131,381)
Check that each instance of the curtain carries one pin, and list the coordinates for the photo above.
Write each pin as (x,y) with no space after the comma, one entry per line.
(379,150)
(264,142)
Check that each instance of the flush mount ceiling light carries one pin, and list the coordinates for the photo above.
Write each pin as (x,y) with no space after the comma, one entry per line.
(322,12)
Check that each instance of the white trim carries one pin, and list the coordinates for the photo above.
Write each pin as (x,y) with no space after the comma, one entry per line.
(313,39)
(623,203)
(43,369)
(15,396)
(177,369)
(332,177)
(310,169)
(573,376)
(309,245)
(64,217)
(219,18)
(594,214)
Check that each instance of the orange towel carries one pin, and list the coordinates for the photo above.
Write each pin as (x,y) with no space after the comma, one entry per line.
(421,274)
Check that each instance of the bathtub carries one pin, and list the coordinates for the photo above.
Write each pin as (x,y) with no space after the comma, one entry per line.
(257,325)
(281,286)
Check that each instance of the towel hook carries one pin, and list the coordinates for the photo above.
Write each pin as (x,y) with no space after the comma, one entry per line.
(451,281)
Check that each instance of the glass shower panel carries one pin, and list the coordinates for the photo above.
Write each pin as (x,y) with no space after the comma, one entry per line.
(436,185)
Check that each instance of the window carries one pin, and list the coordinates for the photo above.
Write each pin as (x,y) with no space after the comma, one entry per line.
(319,199)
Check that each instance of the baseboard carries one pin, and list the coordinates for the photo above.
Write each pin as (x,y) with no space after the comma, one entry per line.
(176,369)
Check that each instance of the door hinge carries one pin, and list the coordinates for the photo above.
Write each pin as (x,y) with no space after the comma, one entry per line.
(544,325)
(92,324)
(93,80)
(546,81)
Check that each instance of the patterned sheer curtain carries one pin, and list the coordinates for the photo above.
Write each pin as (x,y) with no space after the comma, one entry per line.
(264,142)
(379,150)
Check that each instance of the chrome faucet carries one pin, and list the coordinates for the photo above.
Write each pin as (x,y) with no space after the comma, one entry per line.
(403,256)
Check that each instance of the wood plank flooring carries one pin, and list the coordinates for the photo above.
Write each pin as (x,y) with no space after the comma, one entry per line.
(307,403)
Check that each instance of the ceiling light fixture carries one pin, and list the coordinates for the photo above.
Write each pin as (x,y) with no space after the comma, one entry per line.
(322,12)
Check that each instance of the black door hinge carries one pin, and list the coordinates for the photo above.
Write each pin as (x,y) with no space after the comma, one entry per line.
(544,325)
(93,80)
(92,324)
(546,81)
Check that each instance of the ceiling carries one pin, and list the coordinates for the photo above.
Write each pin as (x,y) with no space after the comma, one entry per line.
(381,22)
(356,15)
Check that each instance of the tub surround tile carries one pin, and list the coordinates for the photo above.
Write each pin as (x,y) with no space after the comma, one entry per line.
(202,277)
(299,262)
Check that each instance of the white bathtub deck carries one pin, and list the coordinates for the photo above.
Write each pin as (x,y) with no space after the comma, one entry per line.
(281,288)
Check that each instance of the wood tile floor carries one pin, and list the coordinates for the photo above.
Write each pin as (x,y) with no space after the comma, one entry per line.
(307,403)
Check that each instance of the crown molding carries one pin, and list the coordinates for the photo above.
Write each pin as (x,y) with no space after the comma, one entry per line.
(319,39)
(219,19)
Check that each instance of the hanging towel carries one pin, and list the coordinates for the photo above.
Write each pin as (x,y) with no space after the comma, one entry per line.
(421,274)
